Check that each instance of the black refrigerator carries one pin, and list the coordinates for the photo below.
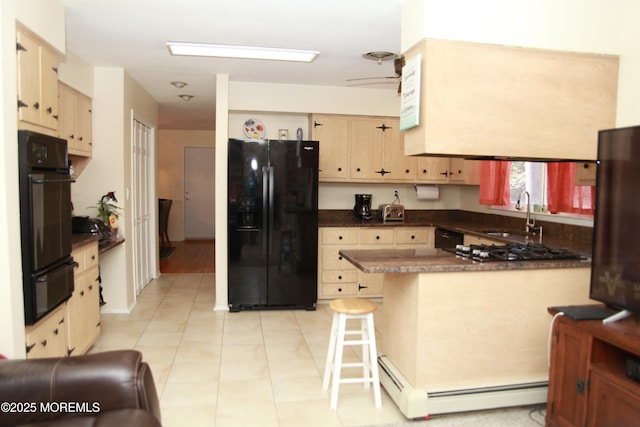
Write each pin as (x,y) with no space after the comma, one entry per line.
(272,224)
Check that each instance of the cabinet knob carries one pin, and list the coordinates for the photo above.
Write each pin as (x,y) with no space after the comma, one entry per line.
(339,258)
(82,293)
(339,237)
(377,237)
(357,169)
(339,289)
(49,110)
(339,169)
(407,171)
(585,165)
(339,277)
(55,331)
(36,105)
(424,171)
(413,237)
(44,343)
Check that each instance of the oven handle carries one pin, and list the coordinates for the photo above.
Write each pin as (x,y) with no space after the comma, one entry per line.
(44,181)
(47,277)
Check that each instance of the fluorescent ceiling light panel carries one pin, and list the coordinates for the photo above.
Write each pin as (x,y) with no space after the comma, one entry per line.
(244,52)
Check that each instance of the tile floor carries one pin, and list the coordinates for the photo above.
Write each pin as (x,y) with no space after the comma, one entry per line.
(220,369)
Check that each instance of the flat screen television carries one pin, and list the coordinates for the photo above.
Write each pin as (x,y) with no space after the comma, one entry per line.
(615,273)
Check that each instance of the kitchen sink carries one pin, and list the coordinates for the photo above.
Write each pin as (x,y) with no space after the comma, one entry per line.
(514,236)
(497,233)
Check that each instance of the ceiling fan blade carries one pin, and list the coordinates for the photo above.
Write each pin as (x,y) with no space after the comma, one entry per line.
(373,78)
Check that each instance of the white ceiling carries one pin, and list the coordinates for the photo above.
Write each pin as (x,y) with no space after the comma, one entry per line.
(131,34)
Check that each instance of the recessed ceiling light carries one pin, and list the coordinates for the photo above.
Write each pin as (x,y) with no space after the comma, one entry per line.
(243,52)
(185,97)
(178,85)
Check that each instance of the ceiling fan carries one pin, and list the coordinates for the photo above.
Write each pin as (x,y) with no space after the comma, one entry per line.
(380,57)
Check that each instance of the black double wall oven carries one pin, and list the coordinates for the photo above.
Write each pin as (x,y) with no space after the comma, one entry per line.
(45,223)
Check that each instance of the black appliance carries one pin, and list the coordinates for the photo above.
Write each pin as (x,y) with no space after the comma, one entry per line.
(362,207)
(447,239)
(615,272)
(94,226)
(514,252)
(272,224)
(45,223)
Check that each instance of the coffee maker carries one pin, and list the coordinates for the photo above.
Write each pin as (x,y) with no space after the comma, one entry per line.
(362,208)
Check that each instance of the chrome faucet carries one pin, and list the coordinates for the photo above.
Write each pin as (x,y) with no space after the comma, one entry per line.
(530,224)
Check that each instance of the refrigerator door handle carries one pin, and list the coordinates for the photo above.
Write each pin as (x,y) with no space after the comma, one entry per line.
(271,202)
(265,203)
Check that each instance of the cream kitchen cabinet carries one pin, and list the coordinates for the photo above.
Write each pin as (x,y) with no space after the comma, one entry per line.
(377,151)
(333,134)
(481,99)
(586,173)
(48,337)
(448,170)
(83,308)
(37,82)
(75,123)
(338,278)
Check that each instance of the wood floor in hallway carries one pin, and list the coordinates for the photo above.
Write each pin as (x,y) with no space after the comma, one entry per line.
(190,256)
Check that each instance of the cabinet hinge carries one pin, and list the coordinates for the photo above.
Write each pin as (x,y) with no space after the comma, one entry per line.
(19,48)
(316,124)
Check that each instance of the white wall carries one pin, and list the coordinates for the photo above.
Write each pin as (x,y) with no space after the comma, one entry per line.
(116,96)
(596,26)
(171,145)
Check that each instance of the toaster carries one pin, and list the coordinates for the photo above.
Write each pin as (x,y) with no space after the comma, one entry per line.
(391,212)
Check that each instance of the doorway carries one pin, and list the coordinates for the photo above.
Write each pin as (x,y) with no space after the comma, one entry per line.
(199,193)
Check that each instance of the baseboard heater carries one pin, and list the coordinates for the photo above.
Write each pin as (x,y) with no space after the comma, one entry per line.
(418,403)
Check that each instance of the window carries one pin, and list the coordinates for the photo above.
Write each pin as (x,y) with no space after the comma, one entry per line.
(551,187)
(532,178)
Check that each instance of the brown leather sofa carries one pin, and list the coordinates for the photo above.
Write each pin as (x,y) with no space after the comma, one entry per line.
(113,388)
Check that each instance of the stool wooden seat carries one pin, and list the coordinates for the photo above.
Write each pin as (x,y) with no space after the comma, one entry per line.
(346,309)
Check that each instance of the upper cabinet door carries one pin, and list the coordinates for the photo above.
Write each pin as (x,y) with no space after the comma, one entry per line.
(399,168)
(28,78)
(37,82)
(366,149)
(333,134)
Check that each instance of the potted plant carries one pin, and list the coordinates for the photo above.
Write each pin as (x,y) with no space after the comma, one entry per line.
(109,212)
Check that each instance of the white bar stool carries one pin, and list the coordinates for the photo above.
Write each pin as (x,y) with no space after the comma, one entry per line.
(346,309)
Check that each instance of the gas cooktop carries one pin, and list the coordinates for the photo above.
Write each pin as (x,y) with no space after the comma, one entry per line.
(514,252)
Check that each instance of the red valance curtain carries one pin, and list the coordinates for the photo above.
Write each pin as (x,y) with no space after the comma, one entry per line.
(494,182)
(562,193)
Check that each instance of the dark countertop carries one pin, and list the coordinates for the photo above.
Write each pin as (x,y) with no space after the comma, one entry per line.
(571,237)
(79,240)
(437,260)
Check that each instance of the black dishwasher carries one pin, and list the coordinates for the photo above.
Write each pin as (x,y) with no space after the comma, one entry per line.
(447,239)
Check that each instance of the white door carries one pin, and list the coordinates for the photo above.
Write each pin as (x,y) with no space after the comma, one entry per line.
(141,168)
(199,193)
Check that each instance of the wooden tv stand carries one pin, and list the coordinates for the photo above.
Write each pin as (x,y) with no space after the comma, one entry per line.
(588,384)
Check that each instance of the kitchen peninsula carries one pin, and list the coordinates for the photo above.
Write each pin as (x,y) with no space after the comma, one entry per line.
(459,335)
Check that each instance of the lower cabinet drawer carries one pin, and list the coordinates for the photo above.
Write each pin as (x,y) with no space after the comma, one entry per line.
(339,289)
(340,276)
